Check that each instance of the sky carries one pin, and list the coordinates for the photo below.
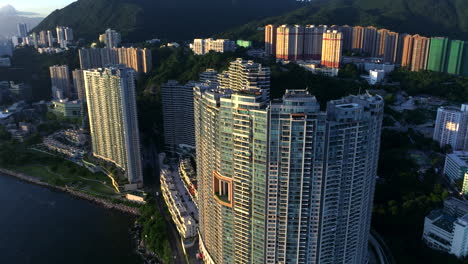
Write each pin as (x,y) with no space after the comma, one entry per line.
(43,7)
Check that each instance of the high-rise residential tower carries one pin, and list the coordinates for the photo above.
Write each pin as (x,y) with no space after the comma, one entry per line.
(290,42)
(358,39)
(60,78)
(437,57)
(420,53)
(370,45)
(451,127)
(64,36)
(270,40)
(22,30)
(177,105)
(111,100)
(78,83)
(313,40)
(407,55)
(332,49)
(111,38)
(50,38)
(281,181)
(455,62)
(390,47)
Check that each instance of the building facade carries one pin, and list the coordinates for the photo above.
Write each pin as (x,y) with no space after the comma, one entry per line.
(111,101)
(451,127)
(447,229)
(437,57)
(456,165)
(332,48)
(140,60)
(270,40)
(281,181)
(203,46)
(60,79)
(177,105)
(420,53)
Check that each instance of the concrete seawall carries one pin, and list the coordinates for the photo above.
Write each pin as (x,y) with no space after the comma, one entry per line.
(100,201)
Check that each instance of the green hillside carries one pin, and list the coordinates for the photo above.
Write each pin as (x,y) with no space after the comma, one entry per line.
(426,17)
(172,19)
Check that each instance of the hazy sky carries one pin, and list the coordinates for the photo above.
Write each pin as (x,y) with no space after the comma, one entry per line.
(44,7)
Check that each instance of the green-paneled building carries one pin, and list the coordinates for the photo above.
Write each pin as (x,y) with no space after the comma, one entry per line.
(438,54)
(244,43)
(455,56)
(464,64)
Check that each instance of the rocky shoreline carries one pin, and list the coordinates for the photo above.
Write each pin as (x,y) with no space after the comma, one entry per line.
(102,202)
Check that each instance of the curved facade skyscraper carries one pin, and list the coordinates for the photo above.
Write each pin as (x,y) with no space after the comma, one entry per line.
(283,182)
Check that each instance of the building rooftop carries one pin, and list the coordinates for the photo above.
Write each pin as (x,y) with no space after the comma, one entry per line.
(445,222)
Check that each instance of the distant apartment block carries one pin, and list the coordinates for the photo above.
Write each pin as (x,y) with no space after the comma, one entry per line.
(270,40)
(111,101)
(78,84)
(177,105)
(22,30)
(140,60)
(332,48)
(446,229)
(111,38)
(451,127)
(60,78)
(203,46)
(64,36)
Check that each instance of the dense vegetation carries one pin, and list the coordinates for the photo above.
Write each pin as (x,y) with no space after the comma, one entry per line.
(452,87)
(154,232)
(426,17)
(405,195)
(173,19)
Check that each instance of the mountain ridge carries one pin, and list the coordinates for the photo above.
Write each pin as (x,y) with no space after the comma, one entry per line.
(138,20)
(426,17)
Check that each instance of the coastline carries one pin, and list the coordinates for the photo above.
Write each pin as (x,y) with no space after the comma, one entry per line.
(99,201)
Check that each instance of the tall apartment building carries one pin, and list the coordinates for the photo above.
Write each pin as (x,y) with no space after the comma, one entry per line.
(407,55)
(400,47)
(111,38)
(358,39)
(390,48)
(332,49)
(290,42)
(270,40)
(111,100)
(455,62)
(177,105)
(22,30)
(420,53)
(381,41)
(78,83)
(347,32)
(437,57)
(43,38)
(282,182)
(50,39)
(313,39)
(245,75)
(138,59)
(451,127)
(203,46)
(209,75)
(60,79)
(64,36)
(371,44)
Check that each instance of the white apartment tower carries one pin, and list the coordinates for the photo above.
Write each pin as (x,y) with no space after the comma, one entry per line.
(111,100)
(451,127)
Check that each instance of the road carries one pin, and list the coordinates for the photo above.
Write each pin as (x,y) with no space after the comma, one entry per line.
(383,252)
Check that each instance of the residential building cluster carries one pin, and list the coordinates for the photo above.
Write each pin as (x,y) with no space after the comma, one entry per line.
(59,142)
(298,42)
(138,59)
(447,229)
(203,46)
(46,39)
(281,181)
(189,178)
